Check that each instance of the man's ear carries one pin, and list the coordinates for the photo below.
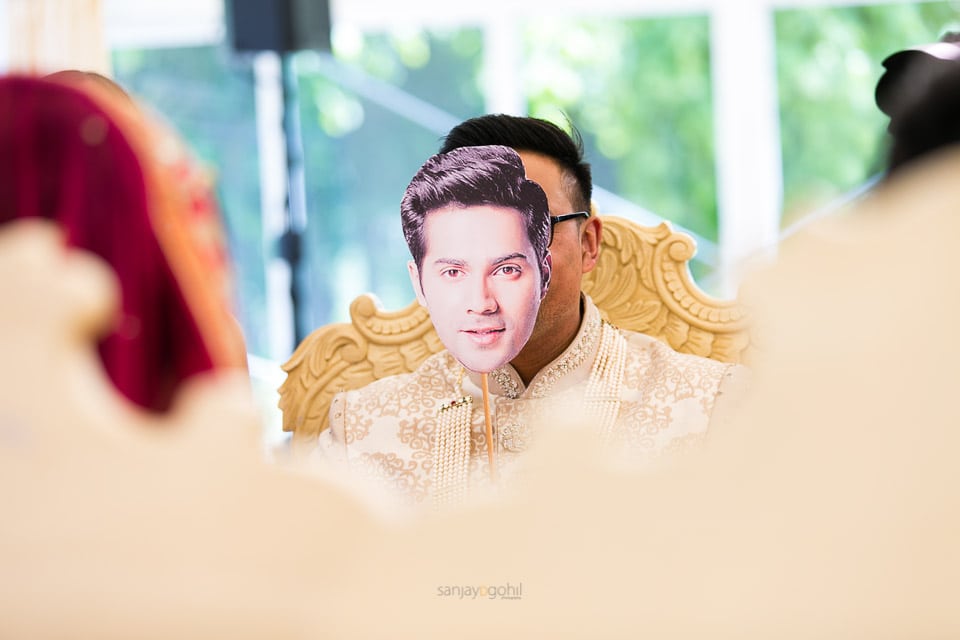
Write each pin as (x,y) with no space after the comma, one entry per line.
(590,234)
(415,281)
(546,270)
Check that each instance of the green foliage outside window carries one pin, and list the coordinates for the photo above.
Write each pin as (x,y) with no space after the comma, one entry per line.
(639,90)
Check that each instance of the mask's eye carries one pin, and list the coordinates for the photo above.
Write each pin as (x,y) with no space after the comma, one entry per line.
(451,273)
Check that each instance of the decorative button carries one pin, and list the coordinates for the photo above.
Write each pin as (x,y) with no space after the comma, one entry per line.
(513,437)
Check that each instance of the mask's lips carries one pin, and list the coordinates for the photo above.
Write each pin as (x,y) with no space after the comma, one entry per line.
(484,336)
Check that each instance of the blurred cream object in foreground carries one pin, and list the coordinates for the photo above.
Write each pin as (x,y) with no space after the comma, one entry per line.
(830,509)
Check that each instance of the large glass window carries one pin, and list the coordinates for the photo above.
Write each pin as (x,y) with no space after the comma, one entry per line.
(638,88)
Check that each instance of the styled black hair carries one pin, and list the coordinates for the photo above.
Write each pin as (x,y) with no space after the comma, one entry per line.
(530,134)
(475,176)
(930,121)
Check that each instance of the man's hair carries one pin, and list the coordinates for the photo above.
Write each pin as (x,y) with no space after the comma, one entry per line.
(490,175)
(531,134)
(931,122)
(919,91)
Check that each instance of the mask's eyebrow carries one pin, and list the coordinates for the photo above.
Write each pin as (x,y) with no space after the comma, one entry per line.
(450,261)
(510,256)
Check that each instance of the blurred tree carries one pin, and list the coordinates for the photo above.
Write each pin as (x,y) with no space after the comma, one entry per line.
(639,90)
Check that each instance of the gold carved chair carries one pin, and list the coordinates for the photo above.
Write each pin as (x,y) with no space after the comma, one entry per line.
(642,282)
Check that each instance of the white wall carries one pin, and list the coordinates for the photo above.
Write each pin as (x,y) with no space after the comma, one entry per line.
(146,23)
(4,37)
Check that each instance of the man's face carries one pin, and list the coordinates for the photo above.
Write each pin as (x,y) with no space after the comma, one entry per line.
(560,311)
(481,283)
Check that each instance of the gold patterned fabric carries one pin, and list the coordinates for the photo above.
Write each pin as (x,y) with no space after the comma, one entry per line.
(642,398)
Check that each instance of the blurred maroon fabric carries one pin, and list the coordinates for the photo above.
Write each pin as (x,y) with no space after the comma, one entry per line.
(71,156)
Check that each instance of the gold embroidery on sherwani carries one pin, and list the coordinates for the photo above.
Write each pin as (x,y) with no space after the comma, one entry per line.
(669,396)
(408,404)
(418,436)
(398,474)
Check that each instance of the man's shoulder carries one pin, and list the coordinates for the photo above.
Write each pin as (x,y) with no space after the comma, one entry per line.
(657,356)
(670,397)
(432,372)
(387,404)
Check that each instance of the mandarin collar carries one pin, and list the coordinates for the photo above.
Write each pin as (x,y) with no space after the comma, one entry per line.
(564,371)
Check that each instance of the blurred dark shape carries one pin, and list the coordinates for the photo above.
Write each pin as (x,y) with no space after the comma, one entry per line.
(920,91)
(279,25)
(909,73)
(286,26)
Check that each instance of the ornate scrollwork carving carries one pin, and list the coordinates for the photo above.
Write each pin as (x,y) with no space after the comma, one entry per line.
(642,282)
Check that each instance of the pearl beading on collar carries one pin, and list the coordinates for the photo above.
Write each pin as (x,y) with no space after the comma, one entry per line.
(604,388)
(451,449)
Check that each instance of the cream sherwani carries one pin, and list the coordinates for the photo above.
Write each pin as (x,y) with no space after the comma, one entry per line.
(661,399)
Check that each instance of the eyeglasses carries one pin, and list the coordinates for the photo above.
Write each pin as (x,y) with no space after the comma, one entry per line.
(555,220)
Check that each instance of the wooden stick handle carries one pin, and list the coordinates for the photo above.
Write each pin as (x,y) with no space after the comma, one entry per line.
(489,426)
